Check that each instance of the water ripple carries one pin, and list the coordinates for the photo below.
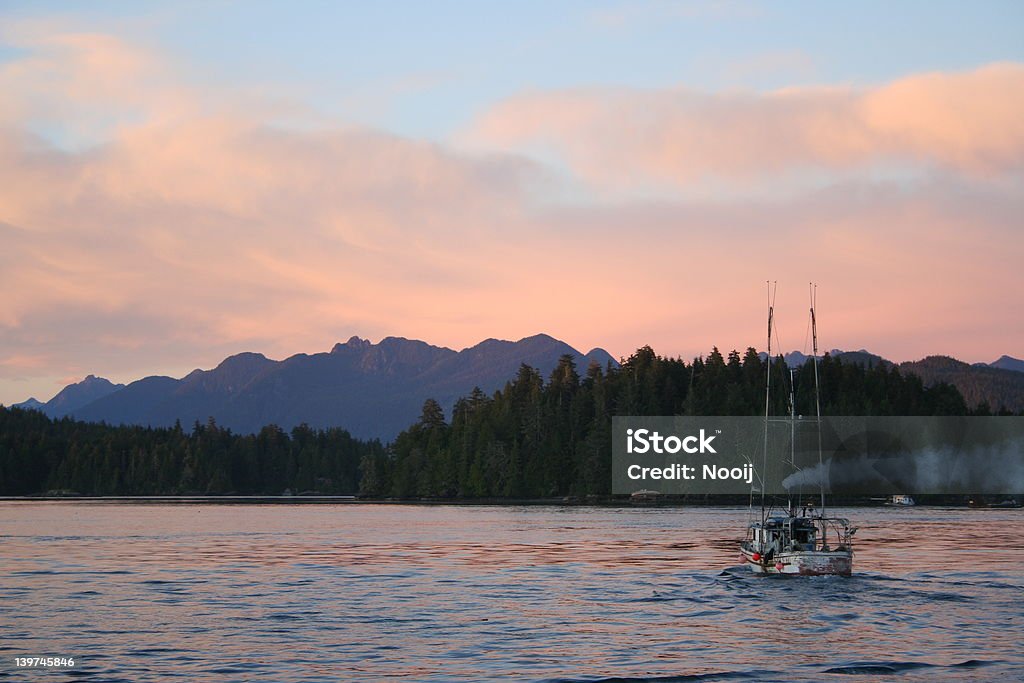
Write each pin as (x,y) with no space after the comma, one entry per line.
(376,592)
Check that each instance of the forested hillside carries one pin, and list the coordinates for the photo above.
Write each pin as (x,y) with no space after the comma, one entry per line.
(535,437)
(988,388)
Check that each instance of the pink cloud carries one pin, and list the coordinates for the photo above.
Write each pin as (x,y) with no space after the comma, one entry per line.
(201,229)
(970,122)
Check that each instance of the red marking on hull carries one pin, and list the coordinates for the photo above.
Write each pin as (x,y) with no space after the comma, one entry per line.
(820,564)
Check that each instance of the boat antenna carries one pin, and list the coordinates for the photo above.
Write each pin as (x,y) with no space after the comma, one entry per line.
(817,392)
(767,389)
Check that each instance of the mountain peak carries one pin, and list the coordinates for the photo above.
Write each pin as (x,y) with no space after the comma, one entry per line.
(541,337)
(354,343)
(599,356)
(1008,363)
(243,357)
(77,395)
(30,404)
(246,362)
(399,341)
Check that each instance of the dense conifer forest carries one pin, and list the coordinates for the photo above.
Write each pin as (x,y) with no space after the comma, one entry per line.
(534,438)
(40,455)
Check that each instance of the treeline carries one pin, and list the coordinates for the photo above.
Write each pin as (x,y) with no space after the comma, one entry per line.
(539,439)
(43,455)
(533,438)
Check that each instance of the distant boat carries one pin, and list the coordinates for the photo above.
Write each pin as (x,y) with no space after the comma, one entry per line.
(797,542)
(1004,504)
(900,500)
(645,497)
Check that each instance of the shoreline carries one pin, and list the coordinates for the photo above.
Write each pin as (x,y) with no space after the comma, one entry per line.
(605,502)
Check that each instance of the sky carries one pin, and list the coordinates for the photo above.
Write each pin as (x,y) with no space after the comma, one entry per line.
(187,180)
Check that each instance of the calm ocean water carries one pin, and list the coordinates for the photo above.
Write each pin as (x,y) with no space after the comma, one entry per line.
(376,592)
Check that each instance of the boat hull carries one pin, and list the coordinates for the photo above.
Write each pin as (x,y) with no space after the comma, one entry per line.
(803,563)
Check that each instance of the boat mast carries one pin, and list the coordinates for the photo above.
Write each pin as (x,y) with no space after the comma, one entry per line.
(767,395)
(817,393)
(792,436)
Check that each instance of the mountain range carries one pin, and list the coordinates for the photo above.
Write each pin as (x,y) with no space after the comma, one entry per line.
(372,390)
(376,390)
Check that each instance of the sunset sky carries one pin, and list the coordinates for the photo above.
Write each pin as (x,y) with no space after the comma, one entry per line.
(184,181)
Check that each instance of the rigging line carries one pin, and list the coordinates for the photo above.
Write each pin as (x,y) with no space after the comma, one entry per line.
(767,389)
(778,341)
(817,390)
(775,327)
(807,336)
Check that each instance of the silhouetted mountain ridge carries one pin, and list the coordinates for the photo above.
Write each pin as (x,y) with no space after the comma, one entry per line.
(74,396)
(31,404)
(376,390)
(1008,363)
(372,390)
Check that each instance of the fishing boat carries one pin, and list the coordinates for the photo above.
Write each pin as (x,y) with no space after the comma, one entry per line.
(799,539)
(900,500)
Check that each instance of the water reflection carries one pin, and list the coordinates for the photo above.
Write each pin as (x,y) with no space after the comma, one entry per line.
(294,593)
